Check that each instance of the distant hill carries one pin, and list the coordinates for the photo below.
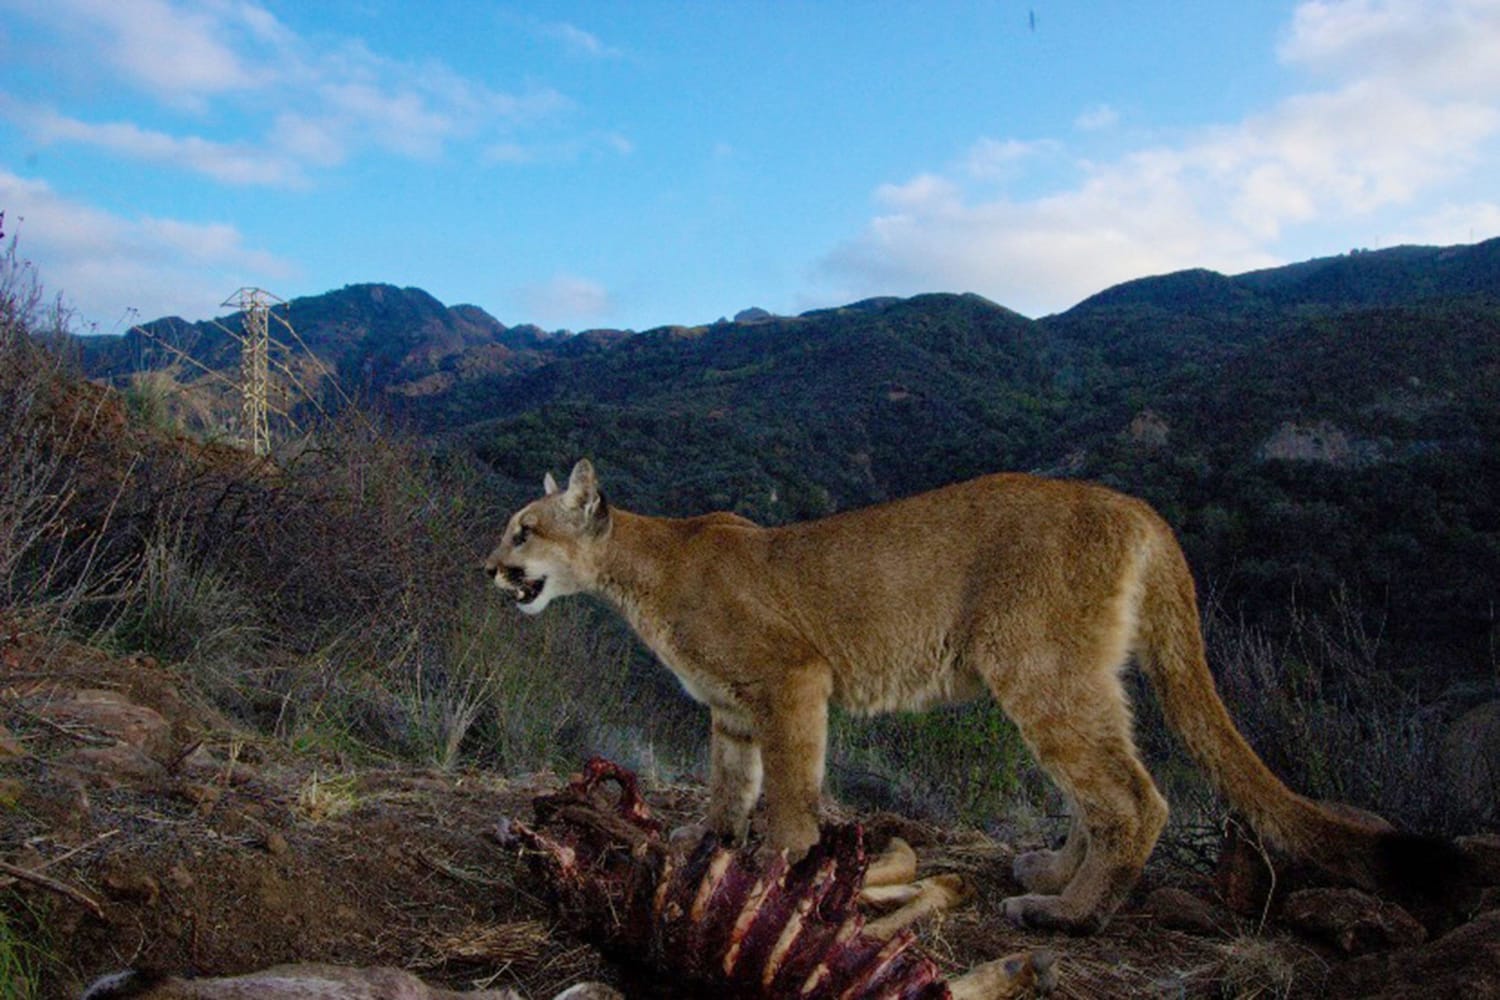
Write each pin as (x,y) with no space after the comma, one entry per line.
(378,340)
(1321,433)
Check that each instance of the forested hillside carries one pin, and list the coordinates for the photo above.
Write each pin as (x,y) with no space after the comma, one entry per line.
(1321,434)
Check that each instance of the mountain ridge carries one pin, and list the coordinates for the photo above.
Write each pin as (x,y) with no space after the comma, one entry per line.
(1283,421)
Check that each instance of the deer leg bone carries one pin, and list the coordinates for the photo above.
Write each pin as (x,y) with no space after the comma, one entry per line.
(1026,973)
(931,895)
(896,865)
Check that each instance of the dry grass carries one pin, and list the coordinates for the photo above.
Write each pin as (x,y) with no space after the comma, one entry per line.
(325,797)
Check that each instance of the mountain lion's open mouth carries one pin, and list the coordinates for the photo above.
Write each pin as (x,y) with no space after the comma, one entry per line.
(522,588)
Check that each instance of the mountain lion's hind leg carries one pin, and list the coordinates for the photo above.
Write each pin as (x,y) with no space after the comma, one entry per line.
(734,776)
(1122,813)
(1077,723)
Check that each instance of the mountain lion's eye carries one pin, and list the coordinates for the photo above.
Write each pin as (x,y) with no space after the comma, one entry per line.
(519,538)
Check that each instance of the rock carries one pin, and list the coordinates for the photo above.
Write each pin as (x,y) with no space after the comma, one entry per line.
(1471,760)
(115,766)
(1180,910)
(1319,441)
(590,991)
(205,797)
(1462,963)
(122,883)
(180,878)
(1352,921)
(109,712)
(9,745)
(1244,875)
(204,765)
(1148,430)
(1484,850)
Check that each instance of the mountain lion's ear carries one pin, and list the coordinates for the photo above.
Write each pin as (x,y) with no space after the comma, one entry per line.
(583,494)
(581,481)
(549,485)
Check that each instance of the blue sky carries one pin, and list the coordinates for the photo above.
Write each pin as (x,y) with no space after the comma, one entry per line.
(635,164)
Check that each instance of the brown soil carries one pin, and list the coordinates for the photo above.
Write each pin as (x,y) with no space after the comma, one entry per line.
(208,850)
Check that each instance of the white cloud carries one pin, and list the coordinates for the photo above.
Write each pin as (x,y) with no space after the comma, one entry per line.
(1450,222)
(1436,46)
(923,194)
(232,163)
(234,58)
(181,53)
(1380,145)
(566,300)
(994,159)
(1097,118)
(579,42)
(1038,255)
(115,269)
(514,153)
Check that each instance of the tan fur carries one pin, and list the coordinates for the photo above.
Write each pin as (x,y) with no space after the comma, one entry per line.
(1037,591)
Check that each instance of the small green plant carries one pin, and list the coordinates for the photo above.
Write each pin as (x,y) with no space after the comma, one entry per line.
(21,963)
(964,763)
(146,400)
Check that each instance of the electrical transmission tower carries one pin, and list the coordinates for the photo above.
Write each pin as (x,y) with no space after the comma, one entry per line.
(254,305)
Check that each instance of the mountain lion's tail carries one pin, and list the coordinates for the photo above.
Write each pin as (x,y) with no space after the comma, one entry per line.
(1170,650)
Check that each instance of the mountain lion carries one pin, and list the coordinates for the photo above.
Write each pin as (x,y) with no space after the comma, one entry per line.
(1038,591)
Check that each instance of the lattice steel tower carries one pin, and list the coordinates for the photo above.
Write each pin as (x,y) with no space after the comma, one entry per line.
(254,305)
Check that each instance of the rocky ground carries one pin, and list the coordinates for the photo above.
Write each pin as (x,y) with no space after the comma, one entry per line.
(138,828)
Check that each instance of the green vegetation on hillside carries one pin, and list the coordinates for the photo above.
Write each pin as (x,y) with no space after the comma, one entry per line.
(1324,437)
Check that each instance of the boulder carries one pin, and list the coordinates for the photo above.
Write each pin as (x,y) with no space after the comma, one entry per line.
(1180,910)
(1471,760)
(1354,922)
(114,766)
(109,712)
(1253,877)
(1462,963)
(1484,850)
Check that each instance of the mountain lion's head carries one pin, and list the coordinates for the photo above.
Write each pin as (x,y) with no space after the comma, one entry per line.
(550,546)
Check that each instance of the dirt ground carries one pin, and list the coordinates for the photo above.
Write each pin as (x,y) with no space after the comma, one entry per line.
(140,829)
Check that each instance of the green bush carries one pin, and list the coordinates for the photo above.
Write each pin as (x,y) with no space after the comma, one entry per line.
(962,763)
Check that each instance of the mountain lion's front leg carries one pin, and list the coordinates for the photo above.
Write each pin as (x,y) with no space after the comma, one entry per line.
(734,775)
(794,736)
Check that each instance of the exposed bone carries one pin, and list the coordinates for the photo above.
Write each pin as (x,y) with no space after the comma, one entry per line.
(930,895)
(896,865)
(738,925)
(1012,976)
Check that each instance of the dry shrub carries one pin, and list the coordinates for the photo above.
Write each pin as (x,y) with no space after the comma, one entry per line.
(330,594)
(1319,705)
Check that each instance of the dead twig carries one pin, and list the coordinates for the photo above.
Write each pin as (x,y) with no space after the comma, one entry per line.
(453,871)
(78,733)
(47,882)
(77,850)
